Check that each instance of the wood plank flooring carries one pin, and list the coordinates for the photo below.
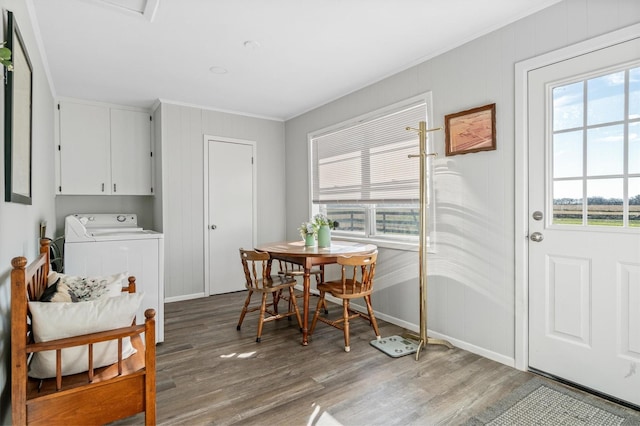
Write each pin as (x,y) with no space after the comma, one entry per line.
(208,373)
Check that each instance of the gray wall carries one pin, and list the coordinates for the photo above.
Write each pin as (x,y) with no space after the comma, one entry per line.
(19,223)
(182,132)
(471,276)
(143,206)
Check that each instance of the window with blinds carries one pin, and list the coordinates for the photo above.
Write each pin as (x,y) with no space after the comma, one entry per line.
(363,178)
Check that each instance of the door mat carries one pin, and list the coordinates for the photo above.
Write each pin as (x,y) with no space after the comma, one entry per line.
(544,402)
(396,346)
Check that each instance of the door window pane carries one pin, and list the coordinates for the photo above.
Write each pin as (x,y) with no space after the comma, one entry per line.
(605,150)
(634,202)
(634,148)
(568,106)
(567,202)
(605,202)
(605,98)
(634,93)
(595,159)
(567,154)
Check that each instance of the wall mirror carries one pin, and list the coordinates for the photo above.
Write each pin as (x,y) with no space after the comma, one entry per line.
(17,119)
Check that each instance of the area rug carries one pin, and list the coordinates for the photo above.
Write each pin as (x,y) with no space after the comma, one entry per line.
(543,402)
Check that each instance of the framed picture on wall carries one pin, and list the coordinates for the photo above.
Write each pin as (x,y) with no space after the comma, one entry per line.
(472,130)
(17,119)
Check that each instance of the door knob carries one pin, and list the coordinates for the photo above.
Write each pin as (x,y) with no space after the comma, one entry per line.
(536,237)
(213,226)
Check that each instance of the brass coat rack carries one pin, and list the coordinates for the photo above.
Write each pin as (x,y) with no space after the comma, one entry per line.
(423,339)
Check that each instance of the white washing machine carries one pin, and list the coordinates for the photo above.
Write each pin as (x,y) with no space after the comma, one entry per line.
(107,244)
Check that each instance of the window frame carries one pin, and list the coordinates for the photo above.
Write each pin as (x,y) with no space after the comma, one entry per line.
(381,240)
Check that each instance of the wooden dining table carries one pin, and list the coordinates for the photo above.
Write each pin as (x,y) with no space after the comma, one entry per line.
(308,257)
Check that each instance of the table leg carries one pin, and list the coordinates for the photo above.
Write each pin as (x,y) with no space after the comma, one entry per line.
(306,285)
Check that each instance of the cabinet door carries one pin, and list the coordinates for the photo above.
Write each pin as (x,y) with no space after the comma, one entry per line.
(130,152)
(84,149)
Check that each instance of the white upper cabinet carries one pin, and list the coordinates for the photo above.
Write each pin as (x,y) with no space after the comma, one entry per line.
(130,152)
(84,149)
(104,150)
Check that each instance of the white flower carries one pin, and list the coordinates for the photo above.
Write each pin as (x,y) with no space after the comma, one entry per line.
(306,229)
(321,220)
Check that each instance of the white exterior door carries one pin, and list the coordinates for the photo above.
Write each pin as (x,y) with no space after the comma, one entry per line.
(584,220)
(231,212)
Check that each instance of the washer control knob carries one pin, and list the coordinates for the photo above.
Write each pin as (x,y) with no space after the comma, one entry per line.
(121,218)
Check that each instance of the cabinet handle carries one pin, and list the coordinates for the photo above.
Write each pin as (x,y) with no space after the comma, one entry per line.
(103,187)
(114,187)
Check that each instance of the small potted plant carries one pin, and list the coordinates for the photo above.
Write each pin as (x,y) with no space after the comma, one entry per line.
(308,233)
(323,226)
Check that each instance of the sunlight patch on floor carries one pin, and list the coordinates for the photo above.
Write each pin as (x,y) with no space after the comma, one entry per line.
(320,417)
(243,355)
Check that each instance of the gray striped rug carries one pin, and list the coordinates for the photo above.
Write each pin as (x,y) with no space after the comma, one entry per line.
(544,402)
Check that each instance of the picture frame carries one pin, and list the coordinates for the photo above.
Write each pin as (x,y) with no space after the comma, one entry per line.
(473,130)
(17,119)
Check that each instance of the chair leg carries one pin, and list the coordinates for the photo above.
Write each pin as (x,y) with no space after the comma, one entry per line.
(372,317)
(316,313)
(320,280)
(324,305)
(263,309)
(244,309)
(294,304)
(345,314)
(290,306)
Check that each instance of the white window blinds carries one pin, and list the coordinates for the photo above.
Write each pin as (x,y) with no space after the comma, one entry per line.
(368,162)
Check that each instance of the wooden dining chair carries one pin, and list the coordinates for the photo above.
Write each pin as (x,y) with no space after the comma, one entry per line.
(357,281)
(296,270)
(259,280)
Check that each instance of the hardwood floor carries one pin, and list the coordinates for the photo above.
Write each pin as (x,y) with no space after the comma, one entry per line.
(209,373)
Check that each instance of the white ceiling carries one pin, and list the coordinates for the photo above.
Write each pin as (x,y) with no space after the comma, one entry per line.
(301,54)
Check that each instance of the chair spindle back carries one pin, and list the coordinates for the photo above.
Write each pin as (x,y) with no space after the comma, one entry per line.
(358,272)
(256,268)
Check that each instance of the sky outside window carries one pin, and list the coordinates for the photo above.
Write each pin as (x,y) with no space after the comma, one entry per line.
(596,150)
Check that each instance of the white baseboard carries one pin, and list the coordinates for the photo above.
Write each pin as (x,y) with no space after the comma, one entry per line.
(184,297)
(483,352)
(494,356)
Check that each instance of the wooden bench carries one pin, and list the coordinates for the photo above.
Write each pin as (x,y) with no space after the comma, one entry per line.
(98,396)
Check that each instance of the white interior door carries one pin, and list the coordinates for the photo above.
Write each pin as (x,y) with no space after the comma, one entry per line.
(231,212)
(584,220)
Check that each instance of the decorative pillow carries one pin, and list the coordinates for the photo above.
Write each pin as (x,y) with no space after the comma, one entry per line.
(52,321)
(92,288)
(52,278)
(58,292)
